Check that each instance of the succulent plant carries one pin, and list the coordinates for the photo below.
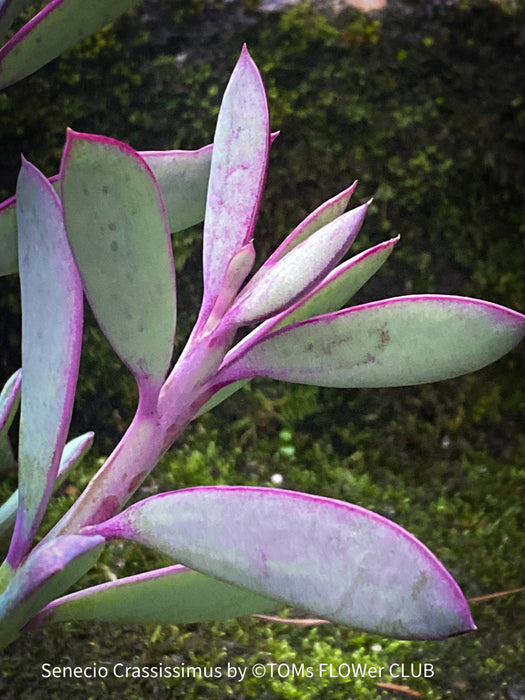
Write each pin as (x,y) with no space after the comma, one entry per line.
(102,228)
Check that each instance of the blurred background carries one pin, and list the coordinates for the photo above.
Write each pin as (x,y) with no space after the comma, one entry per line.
(423,103)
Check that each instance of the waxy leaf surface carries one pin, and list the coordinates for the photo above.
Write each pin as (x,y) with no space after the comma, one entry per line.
(238,168)
(171,596)
(116,224)
(49,570)
(298,271)
(340,285)
(395,342)
(51,340)
(335,559)
(73,453)
(324,214)
(330,295)
(182,177)
(60,25)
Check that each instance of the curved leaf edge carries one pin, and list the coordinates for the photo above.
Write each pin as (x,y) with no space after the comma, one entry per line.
(233,371)
(121,527)
(184,585)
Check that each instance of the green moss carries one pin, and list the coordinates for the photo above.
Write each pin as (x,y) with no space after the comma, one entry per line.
(428,112)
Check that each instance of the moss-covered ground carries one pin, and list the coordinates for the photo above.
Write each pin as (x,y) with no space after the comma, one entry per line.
(425,105)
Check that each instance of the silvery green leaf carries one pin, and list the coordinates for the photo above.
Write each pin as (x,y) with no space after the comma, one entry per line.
(299,271)
(334,559)
(118,231)
(182,177)
(52,314)
(237,174)
(393,342)
(324,214)
(9,402)
(174,595)
(340,285)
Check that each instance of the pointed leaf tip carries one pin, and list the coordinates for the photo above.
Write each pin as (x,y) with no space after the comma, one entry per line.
(237,174)
(324,214)
(335,290)
(394,342)
(336,560)
(300,270)
(182,177)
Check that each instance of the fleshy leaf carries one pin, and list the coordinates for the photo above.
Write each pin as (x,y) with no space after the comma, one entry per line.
(183,180)
(394,342)
(324,214)
(116,224)
(73,453)
(340,285)
(60,25)
(238,269)
(171,596)
(9,402)
(182,177)
(238,168)
(50,347)
(338,560)
(50,569)
(298,271)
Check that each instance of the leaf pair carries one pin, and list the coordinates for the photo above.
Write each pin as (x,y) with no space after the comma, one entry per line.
(182,177)
(128,277)
(341,561)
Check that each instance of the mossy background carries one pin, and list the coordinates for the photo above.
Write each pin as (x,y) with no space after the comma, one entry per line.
(424,104)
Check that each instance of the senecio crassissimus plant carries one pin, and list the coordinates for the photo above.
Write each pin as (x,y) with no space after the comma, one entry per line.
(102,228)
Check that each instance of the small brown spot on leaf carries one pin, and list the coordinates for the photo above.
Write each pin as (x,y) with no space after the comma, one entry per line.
(384,337)
(418,585)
